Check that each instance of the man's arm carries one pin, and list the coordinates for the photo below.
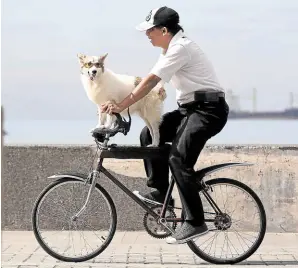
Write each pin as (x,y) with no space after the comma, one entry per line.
(142,89)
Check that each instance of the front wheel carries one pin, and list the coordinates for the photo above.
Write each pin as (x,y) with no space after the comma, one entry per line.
(65,236)
(235,234)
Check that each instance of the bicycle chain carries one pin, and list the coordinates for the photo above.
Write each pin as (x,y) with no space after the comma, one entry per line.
(155,227)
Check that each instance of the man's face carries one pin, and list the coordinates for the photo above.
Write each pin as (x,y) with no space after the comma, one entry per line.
(155,36)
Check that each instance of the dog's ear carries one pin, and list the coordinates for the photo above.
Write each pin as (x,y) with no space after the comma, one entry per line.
(102,58)
(81,57)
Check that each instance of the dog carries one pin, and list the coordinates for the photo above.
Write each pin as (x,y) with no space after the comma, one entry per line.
(102,84)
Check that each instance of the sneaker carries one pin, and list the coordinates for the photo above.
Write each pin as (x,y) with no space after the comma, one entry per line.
(154,198)
(186,233)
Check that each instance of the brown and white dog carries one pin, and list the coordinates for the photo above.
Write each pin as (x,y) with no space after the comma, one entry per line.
(101,85)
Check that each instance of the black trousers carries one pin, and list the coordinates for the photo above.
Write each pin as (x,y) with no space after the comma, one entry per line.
(188,128)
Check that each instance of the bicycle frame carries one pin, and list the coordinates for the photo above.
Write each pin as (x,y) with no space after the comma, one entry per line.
(94,174)
(100,168)
(161,217)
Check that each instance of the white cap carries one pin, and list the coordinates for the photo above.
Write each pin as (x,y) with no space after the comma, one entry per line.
(158,16)
(149,21)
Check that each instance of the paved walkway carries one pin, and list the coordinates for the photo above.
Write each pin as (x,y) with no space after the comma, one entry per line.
(138,250)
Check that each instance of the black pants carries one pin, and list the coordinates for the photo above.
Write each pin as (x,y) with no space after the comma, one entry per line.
(188,128)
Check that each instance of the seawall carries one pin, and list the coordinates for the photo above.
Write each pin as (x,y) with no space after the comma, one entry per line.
(274,177)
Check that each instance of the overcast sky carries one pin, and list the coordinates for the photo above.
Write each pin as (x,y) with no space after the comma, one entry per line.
(251,43)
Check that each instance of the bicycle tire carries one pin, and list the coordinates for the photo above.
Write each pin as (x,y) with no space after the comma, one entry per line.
(260,238)
(82,258)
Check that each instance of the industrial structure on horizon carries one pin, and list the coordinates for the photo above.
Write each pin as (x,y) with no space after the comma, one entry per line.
(237,113)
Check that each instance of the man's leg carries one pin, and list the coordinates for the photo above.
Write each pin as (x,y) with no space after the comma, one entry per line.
(157,170)
(189,142)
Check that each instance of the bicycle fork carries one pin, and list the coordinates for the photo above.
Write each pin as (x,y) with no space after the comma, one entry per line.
(91,178)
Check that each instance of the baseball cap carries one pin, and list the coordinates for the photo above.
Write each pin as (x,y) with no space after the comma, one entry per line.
(159,16)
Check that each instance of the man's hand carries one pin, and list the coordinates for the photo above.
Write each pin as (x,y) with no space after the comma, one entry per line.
(110,107)
(142,89)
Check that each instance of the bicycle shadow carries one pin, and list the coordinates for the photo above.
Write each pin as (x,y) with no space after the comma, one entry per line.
(266,263)
(277,263)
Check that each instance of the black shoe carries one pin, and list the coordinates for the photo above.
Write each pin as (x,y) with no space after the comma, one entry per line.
(187,232)
(154,198)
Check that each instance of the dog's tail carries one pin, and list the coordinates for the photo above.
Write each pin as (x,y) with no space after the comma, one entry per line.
(162,93)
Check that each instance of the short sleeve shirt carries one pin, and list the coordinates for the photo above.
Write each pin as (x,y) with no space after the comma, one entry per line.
(186,66)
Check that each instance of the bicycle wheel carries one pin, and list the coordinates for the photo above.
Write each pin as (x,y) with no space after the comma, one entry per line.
(237,234)
(66,238)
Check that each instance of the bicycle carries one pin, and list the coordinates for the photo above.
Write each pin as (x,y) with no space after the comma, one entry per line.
(160,220)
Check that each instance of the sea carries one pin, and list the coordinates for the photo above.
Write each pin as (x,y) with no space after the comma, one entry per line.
(71,132)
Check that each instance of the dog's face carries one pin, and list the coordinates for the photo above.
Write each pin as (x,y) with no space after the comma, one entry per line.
(92,66)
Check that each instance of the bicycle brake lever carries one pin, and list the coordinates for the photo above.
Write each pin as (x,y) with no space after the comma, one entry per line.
(123,123)
(121,126)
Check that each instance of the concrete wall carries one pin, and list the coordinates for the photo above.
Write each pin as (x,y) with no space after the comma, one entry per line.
(26,168)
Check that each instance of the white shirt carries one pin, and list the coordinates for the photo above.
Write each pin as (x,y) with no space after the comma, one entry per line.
(186,66)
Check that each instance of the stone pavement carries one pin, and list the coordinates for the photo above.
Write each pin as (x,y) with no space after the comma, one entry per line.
(137,250)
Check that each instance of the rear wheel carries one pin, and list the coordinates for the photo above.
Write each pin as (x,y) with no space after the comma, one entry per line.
(238,232)
(66,237)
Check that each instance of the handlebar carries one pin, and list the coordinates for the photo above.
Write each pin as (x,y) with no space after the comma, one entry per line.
(122,126)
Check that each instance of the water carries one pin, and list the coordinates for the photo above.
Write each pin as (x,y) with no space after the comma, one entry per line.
(77,132)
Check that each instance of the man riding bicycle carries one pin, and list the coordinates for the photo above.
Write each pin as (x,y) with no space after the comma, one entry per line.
(202,112)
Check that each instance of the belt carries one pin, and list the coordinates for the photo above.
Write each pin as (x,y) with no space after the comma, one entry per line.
(201,97)
(208,96)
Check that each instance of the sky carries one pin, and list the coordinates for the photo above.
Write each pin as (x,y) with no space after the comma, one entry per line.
(251,43)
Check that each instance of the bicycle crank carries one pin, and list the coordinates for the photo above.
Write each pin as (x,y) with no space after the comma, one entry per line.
(156,229)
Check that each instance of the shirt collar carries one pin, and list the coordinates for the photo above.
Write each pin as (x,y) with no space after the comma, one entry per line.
(175,38)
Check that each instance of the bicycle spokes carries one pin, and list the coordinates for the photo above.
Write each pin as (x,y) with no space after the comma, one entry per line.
(72,224)
(234,222)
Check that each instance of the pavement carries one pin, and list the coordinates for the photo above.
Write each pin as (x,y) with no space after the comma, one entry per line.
(137,250)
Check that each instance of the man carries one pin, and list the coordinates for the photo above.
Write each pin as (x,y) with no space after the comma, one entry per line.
(202,113)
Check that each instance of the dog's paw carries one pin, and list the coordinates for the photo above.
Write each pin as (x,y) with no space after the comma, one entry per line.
(97,127)
(110,126)
(152,145)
